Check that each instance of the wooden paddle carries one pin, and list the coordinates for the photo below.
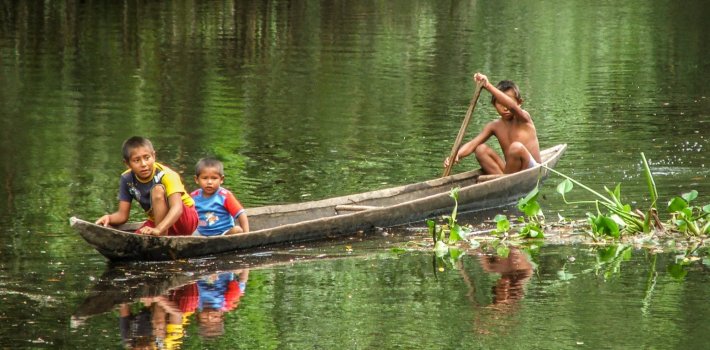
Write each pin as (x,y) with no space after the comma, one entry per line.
(462,131)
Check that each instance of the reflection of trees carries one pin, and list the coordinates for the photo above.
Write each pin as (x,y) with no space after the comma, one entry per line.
(318,98)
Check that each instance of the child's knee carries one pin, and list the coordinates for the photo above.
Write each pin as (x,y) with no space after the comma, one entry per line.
(481,150)
(517,148)
(157,192)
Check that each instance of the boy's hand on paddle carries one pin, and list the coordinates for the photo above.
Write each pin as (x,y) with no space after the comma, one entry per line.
(446,161)
(481,79)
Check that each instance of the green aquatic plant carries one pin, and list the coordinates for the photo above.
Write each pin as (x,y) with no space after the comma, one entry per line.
(618,219)
(446,254)
(532,220)
(687,218)
(451,232)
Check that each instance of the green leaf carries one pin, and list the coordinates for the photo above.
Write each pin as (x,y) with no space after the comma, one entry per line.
(690,196)
(455,195)
(473,244)
(502,250)
(532,230)
(649,181)
(529,205)
(564,187)
(531,196)
(606,226)
(398,250)
(455,234)
(687,212)
(502,224)
(707,208)
(677,204)
(440,248)
(455,253)
(563,275)
(677,271)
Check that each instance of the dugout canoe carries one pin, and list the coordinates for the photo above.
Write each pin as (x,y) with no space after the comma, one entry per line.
(327,218)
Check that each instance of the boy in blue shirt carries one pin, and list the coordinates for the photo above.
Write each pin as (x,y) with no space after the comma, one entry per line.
(220,213)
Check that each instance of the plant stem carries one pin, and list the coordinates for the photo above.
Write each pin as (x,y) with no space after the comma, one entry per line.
(580,185)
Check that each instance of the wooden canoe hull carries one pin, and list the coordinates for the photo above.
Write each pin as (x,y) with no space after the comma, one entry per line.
(290,223)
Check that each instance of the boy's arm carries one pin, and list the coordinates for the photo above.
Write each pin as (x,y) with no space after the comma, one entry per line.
(243,221)
(117,218)
(175,205)
(470,146)
(504,99)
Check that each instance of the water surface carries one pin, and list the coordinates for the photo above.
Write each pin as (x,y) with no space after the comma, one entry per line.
(306,100)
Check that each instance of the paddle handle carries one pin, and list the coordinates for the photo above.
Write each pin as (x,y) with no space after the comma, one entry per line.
(462,130)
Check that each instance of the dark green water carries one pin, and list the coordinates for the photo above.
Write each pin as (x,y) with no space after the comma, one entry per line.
(311,99)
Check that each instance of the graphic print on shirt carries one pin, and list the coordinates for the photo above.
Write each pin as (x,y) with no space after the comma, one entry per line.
(135,192)
(211,218)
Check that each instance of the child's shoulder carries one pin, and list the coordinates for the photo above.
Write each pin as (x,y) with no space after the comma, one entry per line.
(224,192)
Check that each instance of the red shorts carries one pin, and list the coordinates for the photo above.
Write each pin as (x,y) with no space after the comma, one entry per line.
(186,297)
(184,226)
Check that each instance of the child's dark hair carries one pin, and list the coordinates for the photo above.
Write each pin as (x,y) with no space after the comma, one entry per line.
(133,143)
(506,85)
(209,163)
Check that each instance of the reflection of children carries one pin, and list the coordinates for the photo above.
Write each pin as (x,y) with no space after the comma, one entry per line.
(158,189)
(217,296)
(515,270)
(219,211)
(136,328)
(167,323)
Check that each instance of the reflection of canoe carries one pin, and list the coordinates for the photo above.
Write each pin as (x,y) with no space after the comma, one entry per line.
(289,223)
(129,283)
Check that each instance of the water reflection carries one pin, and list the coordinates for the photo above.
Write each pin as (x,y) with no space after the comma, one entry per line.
(160,321)
(496,303)
(150,321)
(219,294)
(515,271)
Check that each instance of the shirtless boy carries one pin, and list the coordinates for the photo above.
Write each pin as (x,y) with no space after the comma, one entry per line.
(514,130)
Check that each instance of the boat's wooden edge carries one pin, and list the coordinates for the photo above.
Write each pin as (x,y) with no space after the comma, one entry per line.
(546,154)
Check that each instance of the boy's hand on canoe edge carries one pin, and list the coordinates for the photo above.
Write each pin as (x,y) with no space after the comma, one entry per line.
(149,231)
(104,220)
